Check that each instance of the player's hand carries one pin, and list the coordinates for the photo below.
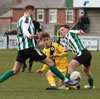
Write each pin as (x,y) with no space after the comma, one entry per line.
(36,36)
(80,32)
(31,36)
(66,50)
(55,54)
(38,72)
(40,44)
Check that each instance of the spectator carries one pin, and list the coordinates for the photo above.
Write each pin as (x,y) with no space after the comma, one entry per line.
(83,24)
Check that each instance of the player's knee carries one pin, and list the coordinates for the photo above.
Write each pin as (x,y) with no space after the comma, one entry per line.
(61,83)
(51,63)
(48,61)
(48,74)
(15,71)
(86,71)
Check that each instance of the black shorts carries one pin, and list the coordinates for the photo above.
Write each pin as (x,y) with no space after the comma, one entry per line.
(32,53)
(84,58)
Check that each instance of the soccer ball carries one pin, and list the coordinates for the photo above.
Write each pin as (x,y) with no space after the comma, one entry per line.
(75,76)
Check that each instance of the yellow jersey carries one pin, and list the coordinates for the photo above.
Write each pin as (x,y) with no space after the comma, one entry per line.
(60,61)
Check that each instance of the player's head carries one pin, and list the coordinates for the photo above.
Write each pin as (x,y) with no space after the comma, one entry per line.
(64,29)
(29,9)
(45,39)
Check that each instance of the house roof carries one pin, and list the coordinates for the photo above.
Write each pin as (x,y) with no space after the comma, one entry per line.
(7,14)
(38,4)
(42,4)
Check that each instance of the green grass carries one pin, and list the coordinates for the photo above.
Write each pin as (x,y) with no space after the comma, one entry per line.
(30,86)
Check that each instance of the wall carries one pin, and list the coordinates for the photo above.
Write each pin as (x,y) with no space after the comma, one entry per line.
(5,20)
(94,16)
(17,14)
(61,16)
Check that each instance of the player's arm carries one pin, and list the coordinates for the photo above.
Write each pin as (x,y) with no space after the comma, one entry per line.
(80,32)
(77,32)
(25,31)
(61,54)
(45,67)
(40,71)
(62,51)
(25,27)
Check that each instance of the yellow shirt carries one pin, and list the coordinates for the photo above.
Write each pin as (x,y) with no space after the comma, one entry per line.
(61,61)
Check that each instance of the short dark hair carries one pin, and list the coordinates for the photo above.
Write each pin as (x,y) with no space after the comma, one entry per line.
(43,35)
(65,26)
(29,7)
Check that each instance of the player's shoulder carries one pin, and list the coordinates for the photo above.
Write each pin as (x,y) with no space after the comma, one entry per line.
(45,49)
(26,19)
(56,44)
(73,31)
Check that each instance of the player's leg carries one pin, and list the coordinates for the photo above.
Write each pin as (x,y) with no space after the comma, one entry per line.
(86,68)
(20,59)
(23,67)
(17,67)
(87,71)
(90,77)
(50,77)
(12,72)
(63,87)
(61,83)
(72,65)
(39,56)
(63,71)
(53,68)
(30,64)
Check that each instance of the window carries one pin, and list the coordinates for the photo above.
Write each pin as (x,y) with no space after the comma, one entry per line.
(81,12)
(52,16)
(69,16)
(40,15)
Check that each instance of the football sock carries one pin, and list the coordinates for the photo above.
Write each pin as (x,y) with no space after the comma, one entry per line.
(6,75)
(68,75)
(57,72)
(51,80)
(90,81)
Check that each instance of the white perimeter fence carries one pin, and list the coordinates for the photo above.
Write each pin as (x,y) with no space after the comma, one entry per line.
(92,42)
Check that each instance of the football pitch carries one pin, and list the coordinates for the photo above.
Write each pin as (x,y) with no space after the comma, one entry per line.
(30,86)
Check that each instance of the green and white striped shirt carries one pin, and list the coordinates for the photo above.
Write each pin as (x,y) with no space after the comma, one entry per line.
(72,42)
(25,27)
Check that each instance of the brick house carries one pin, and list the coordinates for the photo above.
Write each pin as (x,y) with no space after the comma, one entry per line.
(47,12)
